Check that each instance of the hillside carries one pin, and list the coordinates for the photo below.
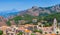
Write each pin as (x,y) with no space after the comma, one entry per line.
(28,19)
(36,11)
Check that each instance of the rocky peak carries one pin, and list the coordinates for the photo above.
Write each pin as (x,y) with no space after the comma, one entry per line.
(34,7)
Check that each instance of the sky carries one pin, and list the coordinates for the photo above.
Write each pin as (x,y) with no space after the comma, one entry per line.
(25,4)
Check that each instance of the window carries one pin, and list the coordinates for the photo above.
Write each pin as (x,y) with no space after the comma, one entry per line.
(50,32)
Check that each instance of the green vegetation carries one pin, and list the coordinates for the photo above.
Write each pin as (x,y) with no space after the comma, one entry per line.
(1,32)
(32,34)
(50,18)
(8,23)
(28,17)
(25,17)
(47,17)
(45,32)
(20,33)
(17,18)
(40,31)
(47,24)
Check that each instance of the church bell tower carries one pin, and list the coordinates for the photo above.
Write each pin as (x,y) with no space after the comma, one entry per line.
(55,25)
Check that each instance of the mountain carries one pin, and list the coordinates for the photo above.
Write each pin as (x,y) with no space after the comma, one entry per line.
(29,14)
(9,13)
(36,11)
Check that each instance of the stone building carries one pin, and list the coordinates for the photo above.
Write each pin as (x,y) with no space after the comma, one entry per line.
(11,30)
(55,27)
(49,30)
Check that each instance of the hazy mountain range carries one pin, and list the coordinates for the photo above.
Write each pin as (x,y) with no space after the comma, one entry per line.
(9,13)
(34,11)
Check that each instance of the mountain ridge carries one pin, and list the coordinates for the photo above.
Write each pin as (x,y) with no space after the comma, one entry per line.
(31,14)
(35,11)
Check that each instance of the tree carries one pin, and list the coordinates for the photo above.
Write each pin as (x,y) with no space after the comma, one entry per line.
(1,32)
(8,23)
(40,31)
(45,32)
(20,33)
(32,34)
(57,32)
(16,22)
(47,24)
